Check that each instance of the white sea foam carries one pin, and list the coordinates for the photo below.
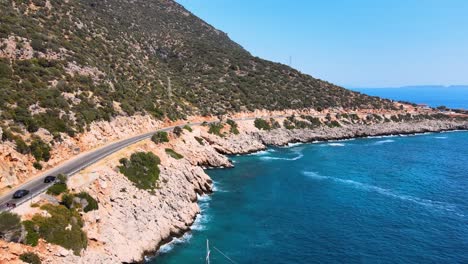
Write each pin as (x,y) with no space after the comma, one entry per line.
(380,142)
(259,153)
(169,246)
(294,144)
(200,222)
(336,144)
(371,188)
(386,136)
(299,156)
(441,137)
(204,198)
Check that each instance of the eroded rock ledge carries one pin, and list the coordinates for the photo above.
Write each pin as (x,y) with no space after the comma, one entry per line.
(130,222)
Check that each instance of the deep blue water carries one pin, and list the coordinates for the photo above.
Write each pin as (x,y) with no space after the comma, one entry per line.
(379,200)
(453,96)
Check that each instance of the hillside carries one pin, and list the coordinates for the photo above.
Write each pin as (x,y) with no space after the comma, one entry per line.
(65,64)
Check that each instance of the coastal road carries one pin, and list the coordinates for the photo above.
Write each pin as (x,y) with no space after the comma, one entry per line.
(76,164)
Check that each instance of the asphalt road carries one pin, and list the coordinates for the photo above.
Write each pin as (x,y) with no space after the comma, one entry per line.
(74,165)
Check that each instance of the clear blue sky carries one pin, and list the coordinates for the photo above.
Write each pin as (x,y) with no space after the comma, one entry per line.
(355,43)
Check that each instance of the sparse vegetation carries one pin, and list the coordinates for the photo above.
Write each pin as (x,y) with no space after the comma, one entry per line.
(142,169)
(200,140)
(188,128)
(215,129)
(173,154)
(209,73)
(81,200)
(262,124)
(32,236)
(57,189)
(177,131)
(10,226)
(274,124)
(160,137)
(62,227)
(40,150)
(30,257)
(233,127)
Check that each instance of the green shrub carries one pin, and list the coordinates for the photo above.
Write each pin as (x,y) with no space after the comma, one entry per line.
(262,124)
(63,227)
(37,165)
(30,257)
(21,146)
(215,129)
(160,137)
(274,124)
(10,226)
(177,131)
(188,128)
(173,154)
(32,236)
(234,129)
(67,200)
(62,178)
(200,141)
(314,121)
(57,189)
(142,169)
(40,150)
(92,204)
(288,124)
(333,123)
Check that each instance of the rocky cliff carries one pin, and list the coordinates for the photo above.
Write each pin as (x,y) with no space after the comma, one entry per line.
(130,221)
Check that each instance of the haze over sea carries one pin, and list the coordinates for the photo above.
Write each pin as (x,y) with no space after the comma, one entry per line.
(379,200)
(450,96)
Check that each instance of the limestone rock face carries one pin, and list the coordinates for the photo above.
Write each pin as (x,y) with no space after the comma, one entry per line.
(131,221)
(243,143)
(16,168)
(279,137)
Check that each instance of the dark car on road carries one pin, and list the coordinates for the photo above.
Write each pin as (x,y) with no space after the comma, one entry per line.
(20,194)
(49,179)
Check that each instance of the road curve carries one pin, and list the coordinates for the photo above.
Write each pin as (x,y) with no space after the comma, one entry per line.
(76,164)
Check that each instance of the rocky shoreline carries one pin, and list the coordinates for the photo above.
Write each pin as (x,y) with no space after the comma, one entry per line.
(261,140)
(131,223)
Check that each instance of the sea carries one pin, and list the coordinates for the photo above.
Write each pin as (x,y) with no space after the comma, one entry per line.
(399,199)
(455,96)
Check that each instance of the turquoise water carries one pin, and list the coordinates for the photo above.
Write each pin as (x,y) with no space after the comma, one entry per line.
(452,96)
(379,200)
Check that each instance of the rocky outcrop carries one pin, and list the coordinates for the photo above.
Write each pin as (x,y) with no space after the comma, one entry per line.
(130,221)
(235,144)
(279,137)
(16,168)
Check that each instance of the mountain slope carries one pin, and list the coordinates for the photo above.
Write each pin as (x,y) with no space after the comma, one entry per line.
(65,64)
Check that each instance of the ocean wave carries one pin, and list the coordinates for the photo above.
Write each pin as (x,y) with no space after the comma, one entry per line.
(204,197)
(336,144)
(299,156)
(441,137)
(175,241)
(372,188)
(386,136)
(294,144)
(258,153)
(381,142)
(200,222)
(217,188)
